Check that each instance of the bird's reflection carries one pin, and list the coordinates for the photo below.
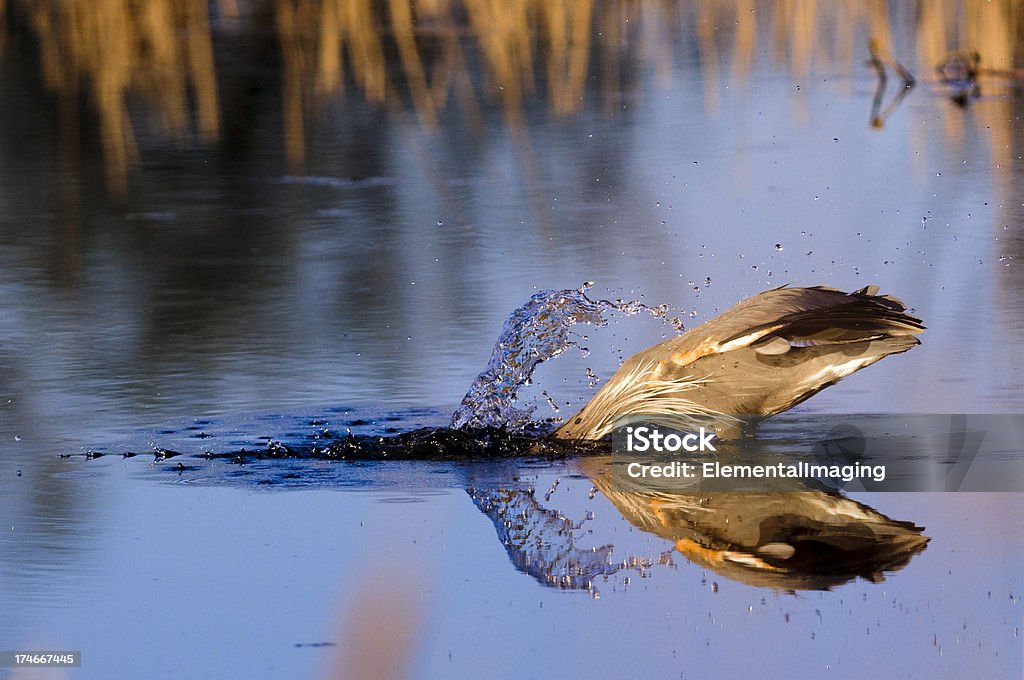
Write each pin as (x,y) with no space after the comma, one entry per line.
(959,71)
(799,538)
(806,540)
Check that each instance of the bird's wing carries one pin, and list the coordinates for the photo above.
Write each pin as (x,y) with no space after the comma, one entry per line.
(780,318)
(759,358)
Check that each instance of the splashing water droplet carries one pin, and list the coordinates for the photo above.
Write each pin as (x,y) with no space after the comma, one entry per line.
(532,334)
(551,402)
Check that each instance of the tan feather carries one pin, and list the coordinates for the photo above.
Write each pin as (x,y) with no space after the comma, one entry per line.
(763,356)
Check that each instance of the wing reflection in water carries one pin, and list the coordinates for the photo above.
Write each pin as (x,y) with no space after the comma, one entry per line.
(806,540)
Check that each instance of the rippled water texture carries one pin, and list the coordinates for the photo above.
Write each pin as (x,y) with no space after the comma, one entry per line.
(234,233)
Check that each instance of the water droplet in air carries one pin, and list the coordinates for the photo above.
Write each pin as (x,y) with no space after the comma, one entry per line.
(551,403)
(539,330)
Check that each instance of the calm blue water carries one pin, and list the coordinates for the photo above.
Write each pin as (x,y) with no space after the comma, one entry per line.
(229,282)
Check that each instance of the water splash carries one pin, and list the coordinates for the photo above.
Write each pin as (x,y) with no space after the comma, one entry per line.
(544,543)
(487,425)
(539,330)
(337,434)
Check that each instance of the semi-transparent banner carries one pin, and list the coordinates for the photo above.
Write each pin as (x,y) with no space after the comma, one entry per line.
(860,452)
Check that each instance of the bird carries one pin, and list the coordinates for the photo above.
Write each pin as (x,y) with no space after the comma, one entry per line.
(960,70)
(763,356)
(962,66)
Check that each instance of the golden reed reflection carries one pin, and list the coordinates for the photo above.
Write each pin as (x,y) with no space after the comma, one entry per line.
(114,50)
(156,59)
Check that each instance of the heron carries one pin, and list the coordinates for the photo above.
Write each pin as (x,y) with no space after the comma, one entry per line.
(759,358)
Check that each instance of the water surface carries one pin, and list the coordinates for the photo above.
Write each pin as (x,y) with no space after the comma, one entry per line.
(244,230)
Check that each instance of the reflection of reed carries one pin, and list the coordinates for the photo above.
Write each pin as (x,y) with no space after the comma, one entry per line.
(114,49)
(533,49)
(509,37)
(426,55)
